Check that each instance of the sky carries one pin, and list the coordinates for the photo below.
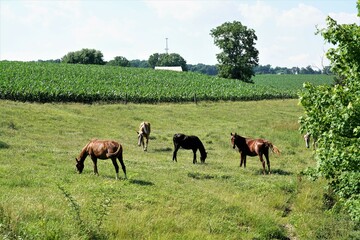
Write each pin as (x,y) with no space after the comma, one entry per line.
(135,29)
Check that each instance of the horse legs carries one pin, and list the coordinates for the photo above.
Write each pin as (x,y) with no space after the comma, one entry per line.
(176,148)
(94,159)
(262,161)
(194,160)
(146,143)
(122,165)
(116,166)
(243,160)
(266,153)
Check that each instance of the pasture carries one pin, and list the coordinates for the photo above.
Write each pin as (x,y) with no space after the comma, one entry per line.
(42,197)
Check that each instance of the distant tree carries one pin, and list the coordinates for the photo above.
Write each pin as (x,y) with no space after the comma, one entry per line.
(239,55)
(139,63)
(84,56)
(50,60)
(164,59)
(202,68)
(119,61)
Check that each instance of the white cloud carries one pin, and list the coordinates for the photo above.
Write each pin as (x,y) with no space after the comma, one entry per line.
(300,17)
(257,14)
(345,18)
(180,10)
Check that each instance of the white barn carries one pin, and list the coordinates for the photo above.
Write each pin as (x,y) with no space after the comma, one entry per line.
(174,68)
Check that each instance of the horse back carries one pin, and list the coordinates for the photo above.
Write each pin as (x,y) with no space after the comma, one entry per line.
(186,142)
(145,128)
(104,149)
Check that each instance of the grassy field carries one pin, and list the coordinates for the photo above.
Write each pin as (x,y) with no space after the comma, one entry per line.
(50,82)
(41,196)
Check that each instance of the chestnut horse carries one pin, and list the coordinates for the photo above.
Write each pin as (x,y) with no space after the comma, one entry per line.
(144,131)
(101,149)
(189,142)
(253,147)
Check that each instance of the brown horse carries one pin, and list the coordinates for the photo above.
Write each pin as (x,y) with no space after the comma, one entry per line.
(102,149)
(144,131)
(253,147)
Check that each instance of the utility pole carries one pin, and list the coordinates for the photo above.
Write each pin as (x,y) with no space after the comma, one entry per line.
(166,49)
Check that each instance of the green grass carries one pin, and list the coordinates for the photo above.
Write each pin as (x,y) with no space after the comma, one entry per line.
(41,196)
(49,82)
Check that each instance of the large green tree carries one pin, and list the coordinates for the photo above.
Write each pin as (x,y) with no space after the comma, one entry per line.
(119,61)
(165,59)
(239,55)
(332,114)
(84,56)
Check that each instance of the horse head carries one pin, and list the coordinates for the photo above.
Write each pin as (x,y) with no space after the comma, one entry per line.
(79,165)
(203,157)
(140,137)
(233,136)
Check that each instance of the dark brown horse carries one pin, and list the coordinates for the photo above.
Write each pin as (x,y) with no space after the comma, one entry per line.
(189,142)
(101,149)
(253,147)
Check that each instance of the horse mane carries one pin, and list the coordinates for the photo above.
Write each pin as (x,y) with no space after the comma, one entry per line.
(84,152)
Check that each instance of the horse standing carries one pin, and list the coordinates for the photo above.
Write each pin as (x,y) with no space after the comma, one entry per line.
(144,132)
(189,142)
(253,147)
(101,149)
(307,138)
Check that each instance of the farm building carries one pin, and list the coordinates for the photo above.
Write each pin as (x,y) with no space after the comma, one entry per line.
(173,68)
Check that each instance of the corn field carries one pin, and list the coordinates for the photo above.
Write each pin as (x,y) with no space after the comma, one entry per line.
(53,82)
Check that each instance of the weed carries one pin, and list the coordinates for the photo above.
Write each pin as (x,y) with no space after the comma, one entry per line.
(92,230)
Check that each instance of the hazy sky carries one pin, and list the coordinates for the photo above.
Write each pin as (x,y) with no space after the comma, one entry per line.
(49,29)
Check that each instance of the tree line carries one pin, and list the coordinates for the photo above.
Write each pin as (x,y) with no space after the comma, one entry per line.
(207,69)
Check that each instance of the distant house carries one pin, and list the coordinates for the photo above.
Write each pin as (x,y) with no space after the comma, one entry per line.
(174,68)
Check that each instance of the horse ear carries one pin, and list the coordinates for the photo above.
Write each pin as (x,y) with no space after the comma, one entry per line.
(76,160)
(231,134)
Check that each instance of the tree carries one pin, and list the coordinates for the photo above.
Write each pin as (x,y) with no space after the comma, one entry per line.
(332,115)
(139,63)
(119,61)
(165,59)
(84,56)
(239,55)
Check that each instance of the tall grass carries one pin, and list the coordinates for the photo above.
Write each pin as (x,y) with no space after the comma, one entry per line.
(160,199)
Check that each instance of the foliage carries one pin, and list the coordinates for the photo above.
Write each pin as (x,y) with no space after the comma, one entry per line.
(139,63)
(119,61)
(239,55)
(202,68)
(332,114)
(84,56)
(47,82)
(167,60)
(92,230)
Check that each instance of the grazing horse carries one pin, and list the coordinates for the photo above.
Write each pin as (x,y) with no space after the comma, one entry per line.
(102,149)
(307,138)
(189,142)
(144,131)
(253,147)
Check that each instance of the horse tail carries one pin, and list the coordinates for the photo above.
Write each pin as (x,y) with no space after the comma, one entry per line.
(115,154)
(274,149)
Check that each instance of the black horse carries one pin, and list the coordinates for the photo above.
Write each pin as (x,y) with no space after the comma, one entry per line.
(189,142)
